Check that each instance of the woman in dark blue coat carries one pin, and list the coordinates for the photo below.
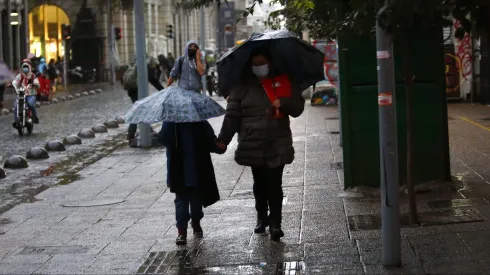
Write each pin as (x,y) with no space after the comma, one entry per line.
(190,172)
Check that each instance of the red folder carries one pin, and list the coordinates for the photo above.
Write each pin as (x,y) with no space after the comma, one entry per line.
(281,84)
(277,87)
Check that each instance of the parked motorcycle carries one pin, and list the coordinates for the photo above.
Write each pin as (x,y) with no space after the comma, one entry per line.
(24,114)
(80,75)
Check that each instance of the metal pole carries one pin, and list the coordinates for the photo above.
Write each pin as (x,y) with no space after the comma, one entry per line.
(65,64)
(110,41)
(390,219)
(18,54)
(224,40)
(1,34)
(10,46)
(181,29)
(26,27)
(203,45)
(174,39)
(139,14)
(218,29)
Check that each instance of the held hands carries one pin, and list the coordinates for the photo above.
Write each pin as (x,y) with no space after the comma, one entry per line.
(221,145)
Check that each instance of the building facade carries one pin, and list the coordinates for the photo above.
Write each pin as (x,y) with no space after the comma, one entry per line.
(35,26)
(13,31)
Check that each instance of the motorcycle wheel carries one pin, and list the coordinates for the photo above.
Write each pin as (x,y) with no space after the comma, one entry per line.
(30,127)
(20,130)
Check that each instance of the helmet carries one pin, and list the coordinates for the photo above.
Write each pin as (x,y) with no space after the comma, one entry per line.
(26,63)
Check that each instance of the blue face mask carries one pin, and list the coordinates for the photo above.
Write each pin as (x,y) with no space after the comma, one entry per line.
(25,70)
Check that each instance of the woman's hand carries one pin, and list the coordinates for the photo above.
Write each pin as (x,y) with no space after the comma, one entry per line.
(221,145)
(276,103)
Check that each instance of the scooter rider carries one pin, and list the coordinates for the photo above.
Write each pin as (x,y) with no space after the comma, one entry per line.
(27,80)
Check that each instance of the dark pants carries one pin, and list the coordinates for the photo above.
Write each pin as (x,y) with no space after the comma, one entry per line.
(268,193)
(133,94)
(184,201)
(2,90)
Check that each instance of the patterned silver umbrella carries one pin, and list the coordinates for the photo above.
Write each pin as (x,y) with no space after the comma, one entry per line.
(173,104)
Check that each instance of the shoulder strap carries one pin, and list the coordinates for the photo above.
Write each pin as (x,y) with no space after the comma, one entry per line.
(181,62)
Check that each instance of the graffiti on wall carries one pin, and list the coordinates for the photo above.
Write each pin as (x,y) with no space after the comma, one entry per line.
(452,65)
(331,69)
(464,57)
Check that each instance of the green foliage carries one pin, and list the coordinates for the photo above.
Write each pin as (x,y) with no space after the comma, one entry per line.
(328,18)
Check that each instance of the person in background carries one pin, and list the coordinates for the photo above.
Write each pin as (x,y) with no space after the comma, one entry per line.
(27,80)
(52,74)
(42,67)
(164,68)
(59,68)
(188,68)
(190,172)
(129,81)
(171,62)
(258,110)
(34,62)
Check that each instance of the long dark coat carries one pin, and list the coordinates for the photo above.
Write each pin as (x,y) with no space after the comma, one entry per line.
(189,163)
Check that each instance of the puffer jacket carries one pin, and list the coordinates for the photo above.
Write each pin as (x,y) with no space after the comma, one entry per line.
(263,141)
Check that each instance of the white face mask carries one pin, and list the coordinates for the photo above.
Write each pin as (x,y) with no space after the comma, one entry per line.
(261,71)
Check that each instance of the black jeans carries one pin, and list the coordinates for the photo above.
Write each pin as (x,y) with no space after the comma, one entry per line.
(268,193)
(2,90)
(133,94)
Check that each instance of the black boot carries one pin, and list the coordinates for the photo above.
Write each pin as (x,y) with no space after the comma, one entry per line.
(261,226)
(198,232)
(182,237)
(35,120)
(276,231)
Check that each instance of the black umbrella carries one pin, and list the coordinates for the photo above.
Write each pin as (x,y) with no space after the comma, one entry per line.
(302,62)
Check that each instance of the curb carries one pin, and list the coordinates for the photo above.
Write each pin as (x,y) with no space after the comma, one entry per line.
(7,166)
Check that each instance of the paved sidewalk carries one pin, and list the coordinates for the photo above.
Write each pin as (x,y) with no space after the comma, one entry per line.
(136,233)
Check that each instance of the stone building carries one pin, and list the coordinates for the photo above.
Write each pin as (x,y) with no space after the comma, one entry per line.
(38,29)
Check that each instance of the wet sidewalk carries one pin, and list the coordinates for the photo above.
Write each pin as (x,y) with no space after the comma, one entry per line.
(118,218)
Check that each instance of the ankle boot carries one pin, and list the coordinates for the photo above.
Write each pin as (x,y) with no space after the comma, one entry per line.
(182,237)
(196,226)
(276,231)
(261,226)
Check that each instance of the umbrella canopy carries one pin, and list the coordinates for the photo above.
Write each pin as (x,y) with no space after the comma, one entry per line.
(5,74)
(173,104)
(302,62)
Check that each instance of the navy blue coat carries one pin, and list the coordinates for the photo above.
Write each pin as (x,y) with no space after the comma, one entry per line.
(189,163)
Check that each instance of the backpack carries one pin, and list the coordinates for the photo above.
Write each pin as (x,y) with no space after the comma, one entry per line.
(130,78)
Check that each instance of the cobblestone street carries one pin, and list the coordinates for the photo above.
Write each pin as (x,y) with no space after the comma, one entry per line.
(117,218)
(64,118)
(57,122)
